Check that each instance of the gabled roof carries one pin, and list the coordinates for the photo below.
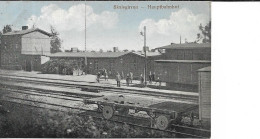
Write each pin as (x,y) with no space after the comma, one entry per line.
(186,46)
(100,54)
(89,54)
(23,32)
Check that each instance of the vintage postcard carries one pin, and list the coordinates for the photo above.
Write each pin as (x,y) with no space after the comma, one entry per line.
(105,69)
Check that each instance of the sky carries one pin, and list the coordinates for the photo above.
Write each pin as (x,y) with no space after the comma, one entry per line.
(108,27)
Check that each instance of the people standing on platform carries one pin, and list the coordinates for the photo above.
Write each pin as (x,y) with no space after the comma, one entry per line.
(141,79)
(150,77)
(159,81)
(123,76)
(98,76)
(118,79)
(153,77)
(106,75)
(131,77)
(127,80)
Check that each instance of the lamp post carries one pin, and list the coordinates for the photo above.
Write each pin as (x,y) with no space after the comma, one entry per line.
(145,66)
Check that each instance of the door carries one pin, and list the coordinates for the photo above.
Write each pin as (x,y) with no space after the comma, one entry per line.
(28,66)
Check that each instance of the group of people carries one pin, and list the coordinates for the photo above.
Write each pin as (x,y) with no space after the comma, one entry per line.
(129,78)
(100,74)
(151,78)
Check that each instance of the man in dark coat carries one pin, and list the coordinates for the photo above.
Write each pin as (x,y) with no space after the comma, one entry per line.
(98,76)
(127,79)
(150,77)
(118,79)
(153,77)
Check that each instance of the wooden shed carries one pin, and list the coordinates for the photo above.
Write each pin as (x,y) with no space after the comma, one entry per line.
(180,74)
(204,75)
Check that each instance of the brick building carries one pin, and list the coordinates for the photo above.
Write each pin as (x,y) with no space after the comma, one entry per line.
(24,50)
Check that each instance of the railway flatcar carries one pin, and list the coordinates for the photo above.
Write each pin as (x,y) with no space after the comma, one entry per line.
(180,74)
(161,112)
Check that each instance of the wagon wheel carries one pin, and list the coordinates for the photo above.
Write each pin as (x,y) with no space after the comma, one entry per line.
(162,122)
(108,112)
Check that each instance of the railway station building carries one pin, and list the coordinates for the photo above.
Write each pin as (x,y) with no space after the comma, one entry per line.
(113,62)
(24,49)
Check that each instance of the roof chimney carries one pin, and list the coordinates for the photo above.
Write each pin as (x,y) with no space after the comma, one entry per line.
(24,27)
(115,49)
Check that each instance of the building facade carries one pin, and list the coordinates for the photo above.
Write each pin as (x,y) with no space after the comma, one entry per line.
(22,50)
(179,64)
(113,62)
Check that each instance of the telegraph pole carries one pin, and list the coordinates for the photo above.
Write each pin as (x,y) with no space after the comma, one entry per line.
(144,48)
(85,28)
(145,66)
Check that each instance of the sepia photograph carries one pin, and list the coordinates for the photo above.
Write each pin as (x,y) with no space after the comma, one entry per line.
(105,69)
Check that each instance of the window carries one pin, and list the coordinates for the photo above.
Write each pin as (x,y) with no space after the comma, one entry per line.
(16,46)
(15,58)
(111,65)
(96,64)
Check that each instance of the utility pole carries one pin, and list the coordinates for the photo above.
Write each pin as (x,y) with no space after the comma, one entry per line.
(85,29)
(145,66)
(144,48)
(85,39)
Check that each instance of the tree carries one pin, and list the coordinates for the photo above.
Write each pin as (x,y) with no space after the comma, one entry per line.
(205,33)
(7,28)
(55,41)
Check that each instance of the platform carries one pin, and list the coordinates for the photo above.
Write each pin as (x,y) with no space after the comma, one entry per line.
(89,80)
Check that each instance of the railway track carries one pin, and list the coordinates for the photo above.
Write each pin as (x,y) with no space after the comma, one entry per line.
(131,120)
(104,89)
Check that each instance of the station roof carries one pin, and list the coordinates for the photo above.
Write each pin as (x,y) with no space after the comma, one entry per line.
(186,46)
(206,69)
(23,32)
(183,61)
(99,54)
(89,54)
(149,54)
